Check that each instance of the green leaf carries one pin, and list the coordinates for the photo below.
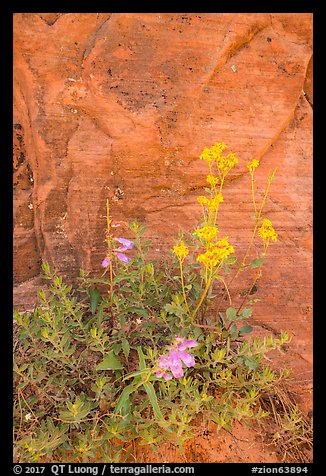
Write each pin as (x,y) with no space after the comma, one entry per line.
(251,363)
(110,362)
(245,330)
(257,262)
(246,312)
(135,310)
(128,276)
(77,411)
(142,363)
(233,328)
(153,399)
(221,318)
(125,348)
(230,314)
(124,398)
(138,373)
(95,298)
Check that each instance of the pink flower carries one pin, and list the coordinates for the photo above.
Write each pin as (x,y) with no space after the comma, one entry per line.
(164,362)
(105,262)
(124,258)
(187,359)
(176,357)
(186,344)
(166,376)
(126,245)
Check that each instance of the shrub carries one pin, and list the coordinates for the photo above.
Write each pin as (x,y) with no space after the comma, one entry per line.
(96,370)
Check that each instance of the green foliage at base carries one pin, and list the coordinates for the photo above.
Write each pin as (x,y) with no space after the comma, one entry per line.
(85,387)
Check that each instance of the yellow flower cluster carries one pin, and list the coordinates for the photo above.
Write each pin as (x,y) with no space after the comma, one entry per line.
(206,233)
(216,253)
(225,164)
(181,250)
(211,203)
(202,200)
(252,165)
(214,154)
(215,151)
(266,231)
(212,180)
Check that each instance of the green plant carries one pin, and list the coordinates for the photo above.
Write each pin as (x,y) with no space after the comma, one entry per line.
(96,371)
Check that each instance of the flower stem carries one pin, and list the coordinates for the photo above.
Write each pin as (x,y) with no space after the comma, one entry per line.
(258,217)
(111,292)
(208,283)
(183,286)
(253,191)
(108,240)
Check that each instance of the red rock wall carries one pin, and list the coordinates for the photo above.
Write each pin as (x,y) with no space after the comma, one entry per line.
(121,105)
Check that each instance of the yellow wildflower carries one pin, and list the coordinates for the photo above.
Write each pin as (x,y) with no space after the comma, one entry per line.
(212,180)
(207,232)
(213,203)
(214,152)
(216,253)
(252,165)
(218,148)
(181,250)
(266,231)
(202,200)
(207,155)
(226,163)
(223,248)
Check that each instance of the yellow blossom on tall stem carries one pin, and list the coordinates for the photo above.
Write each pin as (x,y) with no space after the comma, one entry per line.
(206,233)
(216,251)
(181,251)
(266,232)
(212,180)
(252,167)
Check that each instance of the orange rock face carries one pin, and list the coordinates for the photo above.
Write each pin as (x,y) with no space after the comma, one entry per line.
(121,105)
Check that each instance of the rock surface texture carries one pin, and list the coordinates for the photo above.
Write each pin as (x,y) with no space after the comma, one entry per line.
(121,106)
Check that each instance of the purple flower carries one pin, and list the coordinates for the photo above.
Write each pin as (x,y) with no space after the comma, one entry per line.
(124,258)
(191,343)
(187,359)
(175,364)
(165,375)
(105,262)
(186,344)
(127,244)
(164,362)
(176,357)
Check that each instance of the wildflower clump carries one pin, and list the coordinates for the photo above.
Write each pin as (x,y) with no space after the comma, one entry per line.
(96,359)
(177,355)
